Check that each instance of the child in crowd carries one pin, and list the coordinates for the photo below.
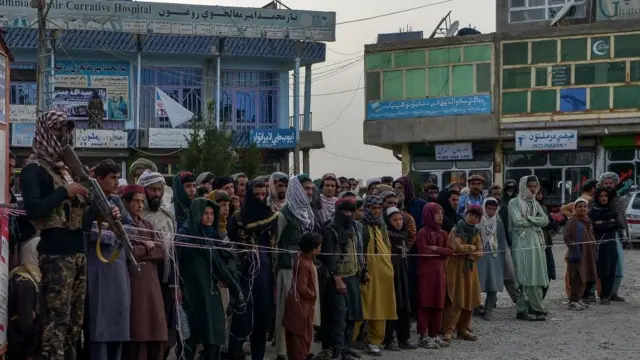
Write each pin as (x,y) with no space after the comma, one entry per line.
(431,241)
(301,300)
(463,286)
(581,254)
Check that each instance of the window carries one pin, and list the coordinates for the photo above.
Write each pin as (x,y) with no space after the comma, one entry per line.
(543,52)
(599,98)
(635,205)
(439,81)
(249,99)
(543,101)
(570,158)
(23,93)
(621,155)
(444,56)
(372,82)
(515,53)
(526,159)
(456,176)
(517,78)
(392,85)
(627,46)
(515,102)
(626,97)
(461,84)
(409,59)
(483,78)
(539,10)
(634,71)
(541,76)
(416,83)
(477,53)
(600,73)
(184,85)
(625,170)
(574,178)
(551,181)
(516,174)
(378,61)
(573,49)
(429,163)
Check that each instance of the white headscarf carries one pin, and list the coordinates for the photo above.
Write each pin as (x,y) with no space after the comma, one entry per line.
(28,268)
(526,197)
(488,226)
(299,204)
(273,201)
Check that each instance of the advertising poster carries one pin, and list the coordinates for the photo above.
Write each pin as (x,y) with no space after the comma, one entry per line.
(22,134)
(3,89)
(74,101)
(113,77)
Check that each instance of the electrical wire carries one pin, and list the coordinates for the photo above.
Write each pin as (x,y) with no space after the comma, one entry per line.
(361,160)
(392,13)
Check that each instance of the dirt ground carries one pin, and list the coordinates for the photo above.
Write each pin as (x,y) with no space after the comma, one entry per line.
(598,333)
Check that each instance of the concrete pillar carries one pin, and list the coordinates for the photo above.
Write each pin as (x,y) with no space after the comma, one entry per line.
(498,166)
(600,159)
(306,161)
(406,159)
(307,100)
(207,89)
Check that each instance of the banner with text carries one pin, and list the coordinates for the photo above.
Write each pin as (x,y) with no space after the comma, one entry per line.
(110,79)
(101,139)
(22,134)
(176,19)
(22,113)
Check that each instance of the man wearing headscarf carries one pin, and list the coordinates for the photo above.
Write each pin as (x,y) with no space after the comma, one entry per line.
(474,197)
(510,191)
(140,166)
(342,304)
(277,191)
(108,287)
(527,218)
(254,226)
(371,186)
(240,182)
(226,184)
(184,190)
(163,222)
(55,203)
(412,205)
(344,184)
(389,200)
(328,192)
(313,194)
(296,218)
(378,294)
(205,180)
(387,180)
(610,181)
(448,200)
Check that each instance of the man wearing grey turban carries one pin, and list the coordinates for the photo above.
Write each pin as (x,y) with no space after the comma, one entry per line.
(206,179)
(139,166)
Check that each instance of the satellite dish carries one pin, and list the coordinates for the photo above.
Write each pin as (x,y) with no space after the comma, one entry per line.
(451,31)
(437,29)
(563,12)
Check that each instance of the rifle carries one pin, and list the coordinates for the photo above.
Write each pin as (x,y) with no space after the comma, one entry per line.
(70,159)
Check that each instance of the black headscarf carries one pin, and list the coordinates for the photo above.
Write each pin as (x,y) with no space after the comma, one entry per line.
(504,208)
(451,217)
(220,182)
(194,224)
(254,209)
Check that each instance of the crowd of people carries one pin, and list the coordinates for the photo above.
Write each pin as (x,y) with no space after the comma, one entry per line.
(228,265)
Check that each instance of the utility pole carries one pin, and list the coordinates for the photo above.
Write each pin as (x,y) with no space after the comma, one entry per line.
(41,68)
(296,107)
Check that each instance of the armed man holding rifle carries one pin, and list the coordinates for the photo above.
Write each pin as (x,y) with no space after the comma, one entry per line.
(57,205)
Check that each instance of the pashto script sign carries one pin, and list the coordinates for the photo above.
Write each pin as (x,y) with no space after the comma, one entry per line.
(416,108)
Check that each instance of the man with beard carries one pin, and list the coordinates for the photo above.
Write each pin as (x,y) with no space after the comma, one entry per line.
(474,197)
(140,166)
(240,182)
(313,194)
(184,190)
(329,190)
(610,181)
(448,199)
(164,224)
(496,193)
(56,206)
(277,191)
(296,218)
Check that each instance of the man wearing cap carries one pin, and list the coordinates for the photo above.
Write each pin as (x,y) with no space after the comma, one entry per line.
(205,180)
(474,197)
(163,222)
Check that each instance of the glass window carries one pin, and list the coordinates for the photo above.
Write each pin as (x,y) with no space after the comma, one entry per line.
(416,83)
(245,106)
(543,52)
(473,164)
(373,85)
(627,46)
(573,49)
(483,78)
(439,81)
(515,53)
(409,58)
(516,16)
(574,178)
(458,176)
(621,155)
(462,77)
(393,85)
(551,181)
(635,205)
(477,53)
(599,98)
(516,174)
(600,73)
(634,71)
(543,101)
(428,163)
(444,56)
(526,159)
(487,175)
(517,78)
(570,158)
(429,177)
(23,93)
(542,78)
(268,106)
(626,97)
(515,102)
(378,61)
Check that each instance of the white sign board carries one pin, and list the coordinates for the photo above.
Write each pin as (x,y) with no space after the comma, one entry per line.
(22,114)
(160,138)
(455,151)
(101,139)
(544,140)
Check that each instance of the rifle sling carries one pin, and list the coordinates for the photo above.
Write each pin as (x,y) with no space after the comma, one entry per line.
(116,252)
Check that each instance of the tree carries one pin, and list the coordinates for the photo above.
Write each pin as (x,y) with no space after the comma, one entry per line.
(209,149)
(251,161)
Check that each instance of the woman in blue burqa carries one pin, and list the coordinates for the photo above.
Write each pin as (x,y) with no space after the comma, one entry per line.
(253,229)
(203,272)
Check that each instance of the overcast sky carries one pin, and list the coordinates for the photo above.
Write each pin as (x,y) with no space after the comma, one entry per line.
(343,136)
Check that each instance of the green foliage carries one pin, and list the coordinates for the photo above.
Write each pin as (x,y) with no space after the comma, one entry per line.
(250,161)
(208,150)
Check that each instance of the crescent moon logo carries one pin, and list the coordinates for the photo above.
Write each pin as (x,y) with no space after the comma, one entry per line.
(600,48)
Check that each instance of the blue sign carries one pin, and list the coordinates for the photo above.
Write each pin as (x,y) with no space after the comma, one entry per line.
(442,106)
(573,99)
(22,134)
(112,76)
(274,138)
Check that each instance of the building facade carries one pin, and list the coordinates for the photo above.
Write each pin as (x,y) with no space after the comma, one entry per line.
(241,81)
(559,102)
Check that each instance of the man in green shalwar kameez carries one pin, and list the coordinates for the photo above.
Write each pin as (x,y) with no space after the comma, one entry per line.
(527,218)
(202,273)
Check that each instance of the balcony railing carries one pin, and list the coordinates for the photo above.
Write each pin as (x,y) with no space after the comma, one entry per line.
(301,121)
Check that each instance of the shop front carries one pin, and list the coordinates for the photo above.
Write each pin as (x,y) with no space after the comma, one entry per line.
(623,156)
(560,160)
(443,164)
